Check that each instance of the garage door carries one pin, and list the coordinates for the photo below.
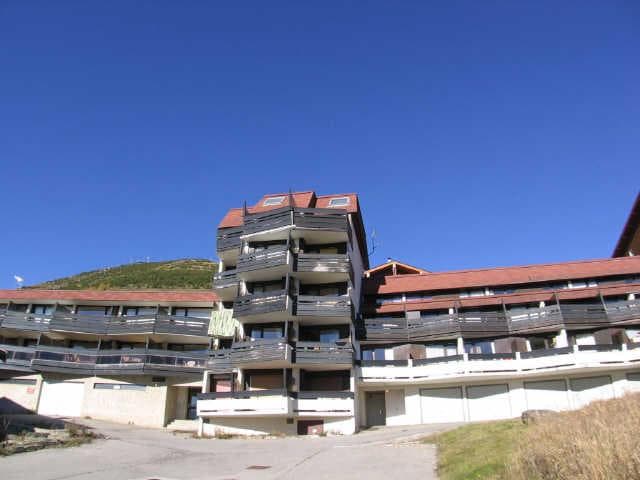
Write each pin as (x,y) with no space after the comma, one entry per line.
(442,405)
(546,395)
(61,398)
(633,382)
(586,390)
(488,402)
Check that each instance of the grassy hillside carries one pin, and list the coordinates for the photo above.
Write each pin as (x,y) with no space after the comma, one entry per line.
(184,273)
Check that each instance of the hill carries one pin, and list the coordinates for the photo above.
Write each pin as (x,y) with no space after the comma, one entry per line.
(183,273)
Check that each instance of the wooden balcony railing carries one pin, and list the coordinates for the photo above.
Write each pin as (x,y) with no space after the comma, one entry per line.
(226,279)
(228,238)
(260,350)
(24,321)
(17,356)
(323,263)
(324,353)
(261,303)
(268,258)
(323,305)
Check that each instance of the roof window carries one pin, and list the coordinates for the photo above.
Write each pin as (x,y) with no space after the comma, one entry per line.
(271,201)
(339,202)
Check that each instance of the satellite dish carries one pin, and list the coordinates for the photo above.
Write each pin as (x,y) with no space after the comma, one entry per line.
(19,280)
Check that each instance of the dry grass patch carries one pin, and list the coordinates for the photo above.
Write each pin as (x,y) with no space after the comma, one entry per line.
(598,442)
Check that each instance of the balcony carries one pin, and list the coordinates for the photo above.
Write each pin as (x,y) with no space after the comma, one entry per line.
(118,362)
(225,284)
(180,325)
(624,311)
(324,404)
(219,361)
(324,306)
(129,325)
(535,319)
(267,353)
(317,353)
(228,239)
(64,360)
(264,264)
(275,224)
(24,321)
(482,323)
(245,403)
(18,358)
(264,303)
(583,314)
(490,366)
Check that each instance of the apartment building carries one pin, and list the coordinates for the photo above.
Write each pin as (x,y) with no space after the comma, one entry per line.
(301,336)
(126,356)
(490,344)
(290,269)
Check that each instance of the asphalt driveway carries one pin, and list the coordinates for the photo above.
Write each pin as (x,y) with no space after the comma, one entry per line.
(137,453)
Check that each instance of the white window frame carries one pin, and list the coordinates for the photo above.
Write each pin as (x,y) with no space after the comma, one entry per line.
(344,202)
(273,201)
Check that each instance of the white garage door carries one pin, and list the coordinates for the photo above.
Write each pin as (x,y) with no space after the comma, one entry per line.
(586,390)
(633,382)
(442,405)
(61,398)
(488,402)
(546,395)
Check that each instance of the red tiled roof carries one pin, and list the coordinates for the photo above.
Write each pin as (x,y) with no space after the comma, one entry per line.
(233,217)
(504,276)
(29,294)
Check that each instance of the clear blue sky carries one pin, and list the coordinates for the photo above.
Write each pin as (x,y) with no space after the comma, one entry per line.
(476,133)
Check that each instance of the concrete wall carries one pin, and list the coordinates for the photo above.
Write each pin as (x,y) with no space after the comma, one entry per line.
(404,406)
(274,426)
(15,394)
(249,426)
(155,406)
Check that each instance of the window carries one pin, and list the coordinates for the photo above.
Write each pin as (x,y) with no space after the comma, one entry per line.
(271,201)
(119,386)
(138,311)
(339,202)
(97,311)
(42,309)
(269,332)
(329,336)
(19,381)
(481,346)
(192,312)
(374,354)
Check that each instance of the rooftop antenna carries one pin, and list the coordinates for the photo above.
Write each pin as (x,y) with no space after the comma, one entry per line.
(291,200)
(19,280)
(374,245)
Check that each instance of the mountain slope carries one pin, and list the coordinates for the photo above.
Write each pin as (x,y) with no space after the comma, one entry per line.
(183,273)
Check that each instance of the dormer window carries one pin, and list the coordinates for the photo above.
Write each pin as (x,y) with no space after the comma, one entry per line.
(273,201)
(339,202)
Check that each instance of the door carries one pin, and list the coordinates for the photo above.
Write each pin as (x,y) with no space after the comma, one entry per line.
(192,399)
(310,427)
(376,409)
(586,390)
(442,405)
(61,398)
(489,402)
(546,395)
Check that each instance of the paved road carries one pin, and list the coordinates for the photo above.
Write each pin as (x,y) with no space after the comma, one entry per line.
(145,454)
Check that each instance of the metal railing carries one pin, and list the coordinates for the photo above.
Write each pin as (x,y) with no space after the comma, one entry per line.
(324,353)
(261,303)
(323,305)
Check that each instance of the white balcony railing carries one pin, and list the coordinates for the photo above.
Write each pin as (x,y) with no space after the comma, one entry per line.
(324,404)
(246,403)
(516,364)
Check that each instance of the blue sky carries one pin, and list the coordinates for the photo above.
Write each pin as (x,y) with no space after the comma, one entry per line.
(476,133)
